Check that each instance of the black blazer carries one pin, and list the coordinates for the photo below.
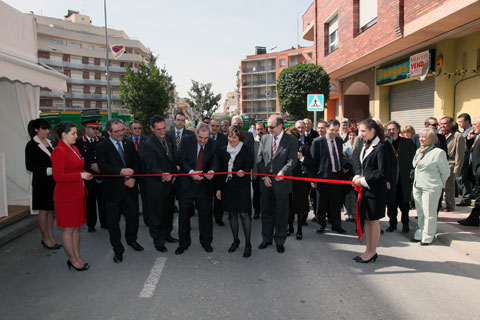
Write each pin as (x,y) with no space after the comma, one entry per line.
(310,137)
(221,140)
(374,171)
(37,161)
(306,167)
(142,141)
(406,152)
(187,160)
(109,162)
(243,161)
(156,161)
(87,150)
(321,158)
(475,152)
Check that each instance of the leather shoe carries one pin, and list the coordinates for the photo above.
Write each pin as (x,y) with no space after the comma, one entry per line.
(180,250)
(468,223)
(220,223)
(208,248)
(171,239)
(425,243)
(136,246)
(320,230)
(405,229)
(280,248)
(90,229)
(339,229)
(161,248)
(391,229)
(264,244)
(415,240)
(256,216)
(117,257)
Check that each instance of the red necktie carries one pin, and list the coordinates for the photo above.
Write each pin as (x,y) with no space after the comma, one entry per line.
(274,149)
(198,166)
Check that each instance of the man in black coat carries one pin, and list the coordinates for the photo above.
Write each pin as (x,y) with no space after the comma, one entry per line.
(404,152)
(197,154)
(117,156)
(432,123)
(221,141)
(86,145)
(179,132)
(159,158)
(328,164)
(473,144)
(310,134)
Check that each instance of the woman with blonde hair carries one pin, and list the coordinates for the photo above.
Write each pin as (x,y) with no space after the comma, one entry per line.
(431,173)
(408,132)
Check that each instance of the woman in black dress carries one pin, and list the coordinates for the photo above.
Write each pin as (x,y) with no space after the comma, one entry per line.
(234,189)
(372,178)
(299,203)
(37,160)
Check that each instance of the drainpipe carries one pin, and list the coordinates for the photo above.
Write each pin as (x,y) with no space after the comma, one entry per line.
(315,42)
(455,92)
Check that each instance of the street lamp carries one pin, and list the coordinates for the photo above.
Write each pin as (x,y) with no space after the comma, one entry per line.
(63,72)
(266,83)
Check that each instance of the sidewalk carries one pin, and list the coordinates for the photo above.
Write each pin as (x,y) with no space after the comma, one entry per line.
(18,222)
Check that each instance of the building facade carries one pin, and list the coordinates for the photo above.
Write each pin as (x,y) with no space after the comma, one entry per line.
(231,106)
(258,79)
(399,60)
(76,48)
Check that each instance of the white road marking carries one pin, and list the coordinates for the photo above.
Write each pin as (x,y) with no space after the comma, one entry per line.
(152,280)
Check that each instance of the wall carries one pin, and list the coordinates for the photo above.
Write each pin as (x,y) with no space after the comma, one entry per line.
(416,8)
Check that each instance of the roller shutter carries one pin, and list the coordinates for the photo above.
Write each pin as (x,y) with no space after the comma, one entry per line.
(411,102)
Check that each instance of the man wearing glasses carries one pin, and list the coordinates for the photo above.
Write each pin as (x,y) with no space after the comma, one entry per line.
(432,123)
(137,138)
(86,145)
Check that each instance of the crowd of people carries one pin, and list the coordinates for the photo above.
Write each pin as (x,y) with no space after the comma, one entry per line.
(77,179)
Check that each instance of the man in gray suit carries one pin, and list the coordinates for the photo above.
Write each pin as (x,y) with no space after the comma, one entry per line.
(277,155)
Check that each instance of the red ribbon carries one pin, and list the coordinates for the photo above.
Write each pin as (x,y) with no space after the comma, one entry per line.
(357,188)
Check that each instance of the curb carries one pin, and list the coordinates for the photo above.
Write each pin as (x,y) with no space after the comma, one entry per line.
(17,228)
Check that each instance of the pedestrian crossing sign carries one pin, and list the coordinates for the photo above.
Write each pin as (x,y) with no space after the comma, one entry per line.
(315,102)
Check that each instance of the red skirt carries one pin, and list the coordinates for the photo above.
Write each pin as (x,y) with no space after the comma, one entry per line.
(71,214)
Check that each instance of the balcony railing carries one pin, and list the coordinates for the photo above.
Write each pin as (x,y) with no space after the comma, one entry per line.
(260,96)
(259,69)
(81,66)
(115,83)
(260,109)
(92,96)
(51,94)
(258,83)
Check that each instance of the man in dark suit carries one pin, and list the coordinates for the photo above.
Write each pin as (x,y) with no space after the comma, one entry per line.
(464,184)
(197,154)
(327,156)
(256,180)
(221,141)
(277,155)
(404,152)
(473,144)
(179,132)
(432,123)
(137,138)
(86,145)
(248,139)
(159,158)
(310,134)
(117,156)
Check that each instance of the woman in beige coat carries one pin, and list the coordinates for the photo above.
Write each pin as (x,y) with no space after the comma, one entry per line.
(431,173)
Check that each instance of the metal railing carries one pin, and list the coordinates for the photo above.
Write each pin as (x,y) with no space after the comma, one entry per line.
(82,66)
(259,96)
(258,82)
(93,82)
(93,96)
(259,69)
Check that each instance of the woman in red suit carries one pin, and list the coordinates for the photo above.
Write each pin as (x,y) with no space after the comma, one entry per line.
(70,191)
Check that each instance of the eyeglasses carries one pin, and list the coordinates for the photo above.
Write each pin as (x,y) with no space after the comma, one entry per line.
(433,124)
(272,127)
(118,131)
(136,128)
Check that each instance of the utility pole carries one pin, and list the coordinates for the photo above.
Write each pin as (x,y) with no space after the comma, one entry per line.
(107,63)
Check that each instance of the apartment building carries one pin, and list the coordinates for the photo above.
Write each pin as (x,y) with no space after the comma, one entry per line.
(403,60)
(258,79)
(76,48)
(231,105)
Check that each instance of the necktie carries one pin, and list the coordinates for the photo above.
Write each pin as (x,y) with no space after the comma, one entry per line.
(213,137)
(198,166)
(165,146)
(274,149)
(177,138)
(336,164)
(136,143)
(120,151)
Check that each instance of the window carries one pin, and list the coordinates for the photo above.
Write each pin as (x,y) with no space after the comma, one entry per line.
(75,45)
(367,14)
(333,34)
(91,47)
(57,42)
(75,60)
(282,62)
(292,61)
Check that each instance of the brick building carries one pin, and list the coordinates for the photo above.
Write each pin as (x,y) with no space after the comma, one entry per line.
(258,79)
(402,59)
(76,48)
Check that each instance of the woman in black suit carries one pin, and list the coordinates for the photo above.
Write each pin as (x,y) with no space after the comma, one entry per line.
(372,178)
(234,189)
(37,160)
(299,197)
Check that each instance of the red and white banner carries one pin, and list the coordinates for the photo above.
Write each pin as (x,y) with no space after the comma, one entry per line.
(117,50)
(419,64)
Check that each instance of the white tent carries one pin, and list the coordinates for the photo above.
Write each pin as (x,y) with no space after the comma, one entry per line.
(21,77)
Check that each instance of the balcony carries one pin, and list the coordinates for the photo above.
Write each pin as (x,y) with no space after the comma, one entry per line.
(90,96)
(258,83)
(309,23)
(51,94)
(81,66)
(259,69)
(114,83)
(272,96)
(261,110)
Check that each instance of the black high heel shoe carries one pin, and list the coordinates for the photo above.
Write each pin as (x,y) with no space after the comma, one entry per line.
(85,267)
(299,236)
(248,251)
(54,247)
(234,246)
(374,258)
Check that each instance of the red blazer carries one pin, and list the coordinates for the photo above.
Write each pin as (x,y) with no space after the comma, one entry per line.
(66,167)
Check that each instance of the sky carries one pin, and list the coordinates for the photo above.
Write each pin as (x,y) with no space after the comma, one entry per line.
(203,40)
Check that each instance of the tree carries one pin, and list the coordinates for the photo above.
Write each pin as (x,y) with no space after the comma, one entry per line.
(147,91)
(295,83)
(202,99)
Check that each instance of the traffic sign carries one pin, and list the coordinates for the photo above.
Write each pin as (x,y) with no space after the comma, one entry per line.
(315,102)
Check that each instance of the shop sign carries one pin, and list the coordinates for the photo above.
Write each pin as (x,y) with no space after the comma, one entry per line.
(394,72)
(416,65)
(419,62)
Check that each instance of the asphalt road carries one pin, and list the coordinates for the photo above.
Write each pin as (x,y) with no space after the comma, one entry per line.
(315,278)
